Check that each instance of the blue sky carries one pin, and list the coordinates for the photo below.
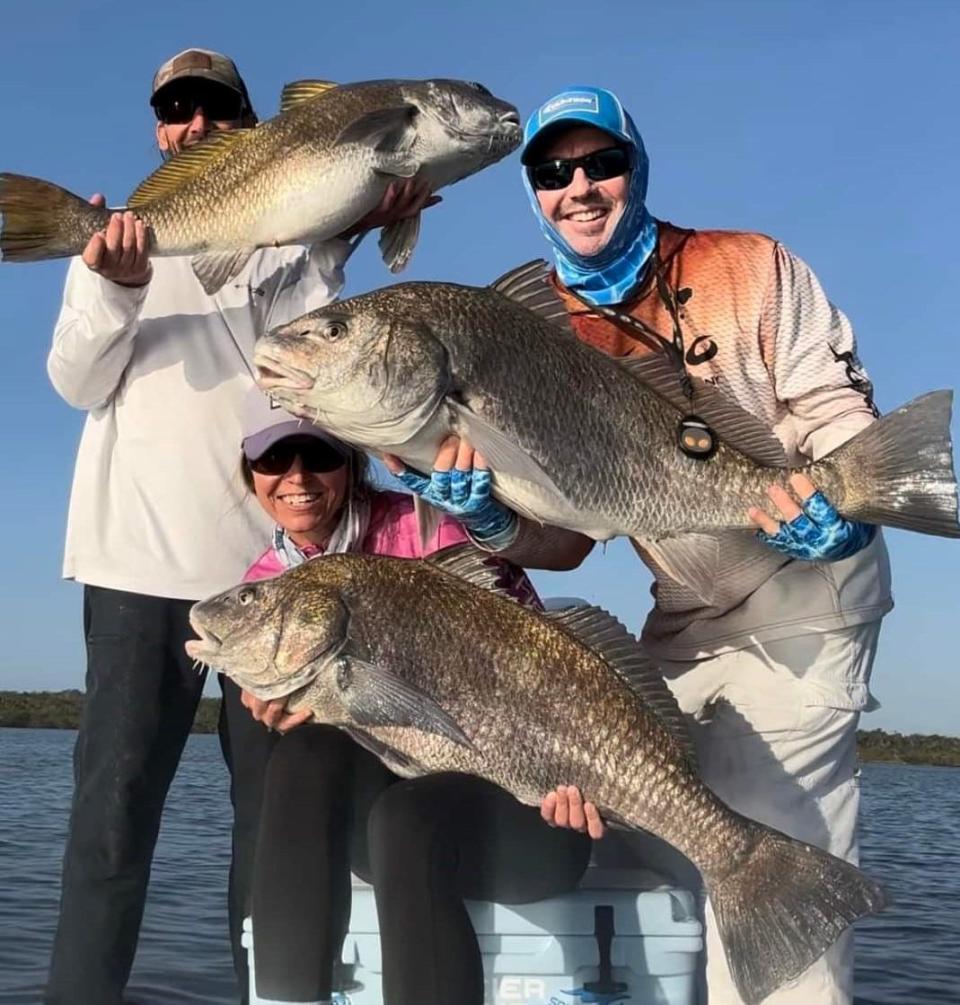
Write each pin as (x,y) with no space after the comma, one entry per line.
(830,126)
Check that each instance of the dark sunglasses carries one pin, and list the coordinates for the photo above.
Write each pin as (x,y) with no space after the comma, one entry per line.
(316,457)
(598,166)
(221,104)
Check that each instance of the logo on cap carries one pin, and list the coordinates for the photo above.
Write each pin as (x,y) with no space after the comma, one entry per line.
(582,101)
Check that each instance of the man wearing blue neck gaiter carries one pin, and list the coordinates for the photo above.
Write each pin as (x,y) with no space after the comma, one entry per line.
(772,656)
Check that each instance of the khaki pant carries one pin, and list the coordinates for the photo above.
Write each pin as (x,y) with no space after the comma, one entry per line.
(775,729)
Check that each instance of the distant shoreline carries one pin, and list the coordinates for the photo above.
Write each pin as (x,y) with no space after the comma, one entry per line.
(62,709)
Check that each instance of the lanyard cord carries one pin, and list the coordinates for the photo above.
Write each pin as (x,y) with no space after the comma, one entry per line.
(644,333)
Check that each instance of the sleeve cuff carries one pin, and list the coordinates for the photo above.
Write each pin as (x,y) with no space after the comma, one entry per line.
(122,303)
(501,541)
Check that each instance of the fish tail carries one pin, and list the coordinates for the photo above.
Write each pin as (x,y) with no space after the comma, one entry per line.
(899,471)
(783,908)
(39,220)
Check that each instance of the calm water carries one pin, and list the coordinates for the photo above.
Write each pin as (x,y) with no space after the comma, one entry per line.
(911,841)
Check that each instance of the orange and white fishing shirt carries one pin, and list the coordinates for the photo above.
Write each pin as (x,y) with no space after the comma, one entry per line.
(754,321)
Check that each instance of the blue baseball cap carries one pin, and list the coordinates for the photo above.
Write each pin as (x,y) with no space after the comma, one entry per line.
(589,106)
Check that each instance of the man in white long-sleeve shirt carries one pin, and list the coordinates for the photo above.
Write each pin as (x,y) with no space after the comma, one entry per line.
(159,518)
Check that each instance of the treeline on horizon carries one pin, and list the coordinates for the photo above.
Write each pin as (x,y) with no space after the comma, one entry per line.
(62,709)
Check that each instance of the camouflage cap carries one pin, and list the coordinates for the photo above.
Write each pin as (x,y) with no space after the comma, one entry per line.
(202,63)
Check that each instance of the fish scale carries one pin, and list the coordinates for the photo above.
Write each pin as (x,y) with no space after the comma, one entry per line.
(435,669)
(306,175)
(577,439)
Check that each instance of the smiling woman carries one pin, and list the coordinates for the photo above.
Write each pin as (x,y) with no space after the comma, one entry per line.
(315,803)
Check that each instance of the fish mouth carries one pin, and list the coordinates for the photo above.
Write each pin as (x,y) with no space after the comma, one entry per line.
(506,131)
(273,373)
(510,129)
(506,137)
(205,648)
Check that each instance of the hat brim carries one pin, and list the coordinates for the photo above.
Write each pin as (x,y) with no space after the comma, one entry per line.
(533,151)
(255,446)
(197,73)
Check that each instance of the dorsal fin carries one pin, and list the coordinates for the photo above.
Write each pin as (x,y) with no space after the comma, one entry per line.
(529,285)
(298,91)
(734,425)
(186,165)
(475,566)
(606,636)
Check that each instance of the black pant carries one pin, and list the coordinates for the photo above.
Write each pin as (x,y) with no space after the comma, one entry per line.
(425,844)
(142,693)
(247,746)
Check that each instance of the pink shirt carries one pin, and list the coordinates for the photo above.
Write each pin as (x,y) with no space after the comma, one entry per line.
(393,531)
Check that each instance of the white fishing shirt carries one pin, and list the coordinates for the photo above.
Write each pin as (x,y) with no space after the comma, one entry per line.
(158,506)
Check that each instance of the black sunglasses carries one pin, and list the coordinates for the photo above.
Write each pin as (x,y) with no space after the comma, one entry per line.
(598,166)
(178,106)
(316,457)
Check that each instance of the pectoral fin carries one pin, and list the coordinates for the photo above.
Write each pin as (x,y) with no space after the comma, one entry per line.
(387,129)
(428,520)
(502,454)
(217,269)
(397,242)
(398,762)
(376,697)
(689,559)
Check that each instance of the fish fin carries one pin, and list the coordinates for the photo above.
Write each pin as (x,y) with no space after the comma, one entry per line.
(298,91)
(783,907)
(428,520)
(386,129)
(613,819)
(689,559)
(399,763)
(733,424)
(605,635)
(377,697)
(899,471)
(40,220)
(189,163)
(529,286)
(396,166)
(397,242)
(736,554)
(469,563)
(217,268)
(503,456)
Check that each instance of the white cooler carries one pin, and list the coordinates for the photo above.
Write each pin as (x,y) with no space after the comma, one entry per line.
(600,944)
(559,951)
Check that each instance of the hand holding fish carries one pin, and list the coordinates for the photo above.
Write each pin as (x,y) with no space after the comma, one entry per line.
(273,714)
(813,530)
(566,808)
(460,485)
(119,251)
(401,200)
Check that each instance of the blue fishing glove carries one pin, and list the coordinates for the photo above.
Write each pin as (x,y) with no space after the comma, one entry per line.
(466,496)
(819,533)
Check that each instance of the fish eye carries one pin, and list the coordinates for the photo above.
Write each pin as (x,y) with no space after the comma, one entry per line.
(481,88)
(333,331)
(245,596)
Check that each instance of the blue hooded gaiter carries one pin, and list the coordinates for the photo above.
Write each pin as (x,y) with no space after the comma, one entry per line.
(610,276)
